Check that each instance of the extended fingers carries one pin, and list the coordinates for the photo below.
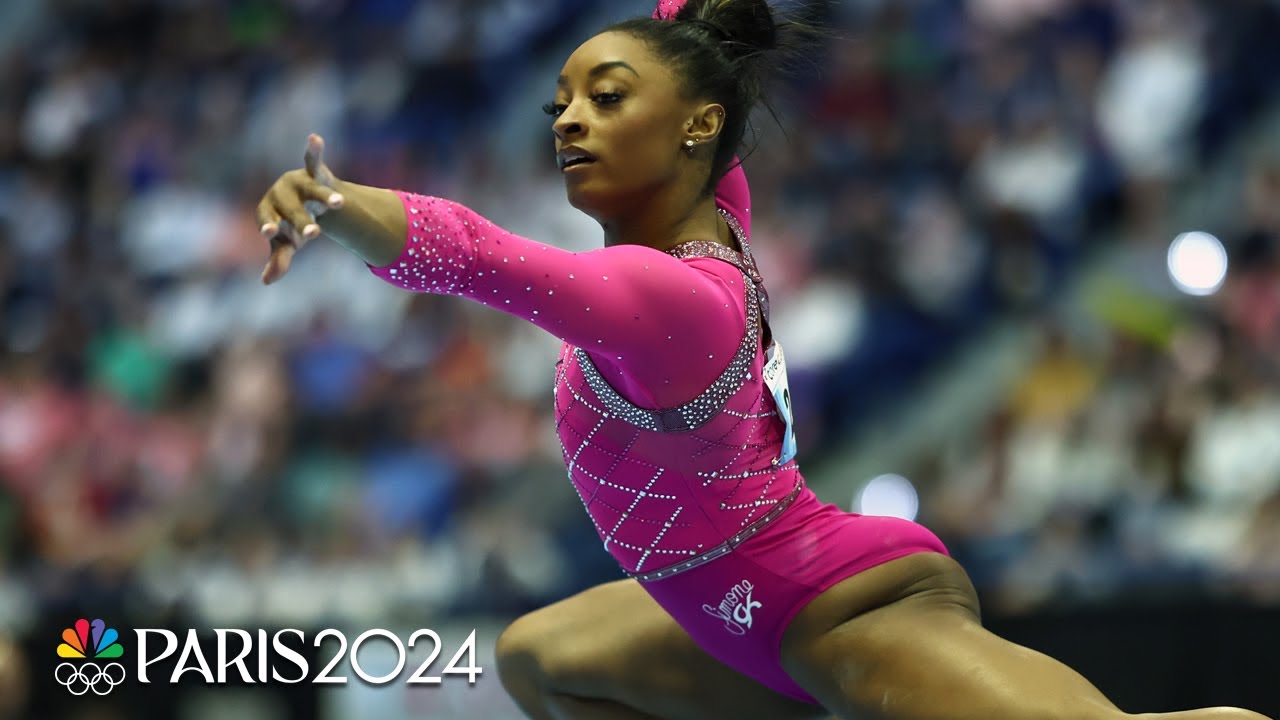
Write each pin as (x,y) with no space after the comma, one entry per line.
(268,218)
(301,200)
(325,197)
(282,252)
(278,221)
(288,200)
(313,160)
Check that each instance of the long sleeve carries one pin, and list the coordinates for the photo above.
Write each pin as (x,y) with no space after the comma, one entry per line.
(663,327)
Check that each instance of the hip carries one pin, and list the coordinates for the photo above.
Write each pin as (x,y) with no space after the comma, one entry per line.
(738,606)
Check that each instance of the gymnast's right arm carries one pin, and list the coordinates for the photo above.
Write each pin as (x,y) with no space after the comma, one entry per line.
(662,320)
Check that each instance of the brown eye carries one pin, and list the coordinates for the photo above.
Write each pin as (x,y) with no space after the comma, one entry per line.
(554,109)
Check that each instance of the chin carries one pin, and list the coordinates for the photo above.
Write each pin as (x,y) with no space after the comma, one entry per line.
(603,200)
(591,202)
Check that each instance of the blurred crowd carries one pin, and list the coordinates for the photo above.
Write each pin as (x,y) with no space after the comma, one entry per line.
(1139,455)
(173,434)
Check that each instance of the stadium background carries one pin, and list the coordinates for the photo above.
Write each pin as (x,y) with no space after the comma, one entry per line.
(966,229)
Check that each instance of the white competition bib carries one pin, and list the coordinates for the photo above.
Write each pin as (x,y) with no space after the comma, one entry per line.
(775,377)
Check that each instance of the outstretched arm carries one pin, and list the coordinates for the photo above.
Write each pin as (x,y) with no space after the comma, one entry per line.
(368,221)
(671,325)
(664,327)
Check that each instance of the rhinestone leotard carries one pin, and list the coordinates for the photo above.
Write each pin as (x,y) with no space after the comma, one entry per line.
(668,432)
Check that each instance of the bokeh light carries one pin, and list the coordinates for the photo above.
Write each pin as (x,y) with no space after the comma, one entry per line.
(1197,263)
(889,495)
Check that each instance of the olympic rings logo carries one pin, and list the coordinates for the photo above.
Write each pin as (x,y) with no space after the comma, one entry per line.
(80,679)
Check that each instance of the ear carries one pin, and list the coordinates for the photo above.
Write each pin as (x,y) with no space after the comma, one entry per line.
(705,124)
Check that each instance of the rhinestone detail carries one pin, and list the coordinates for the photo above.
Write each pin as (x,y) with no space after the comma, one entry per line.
(711,401)
(697,411)
(725,547)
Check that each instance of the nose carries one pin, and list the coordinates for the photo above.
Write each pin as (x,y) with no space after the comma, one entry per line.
(568,125)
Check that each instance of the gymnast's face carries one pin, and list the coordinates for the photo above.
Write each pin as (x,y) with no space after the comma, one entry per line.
(620,124)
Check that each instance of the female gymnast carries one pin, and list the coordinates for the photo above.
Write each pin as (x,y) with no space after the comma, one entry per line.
(746,597)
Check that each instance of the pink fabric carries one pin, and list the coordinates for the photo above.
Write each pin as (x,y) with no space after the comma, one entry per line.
(660,498)
(738,607)
(660,330)
(667,9)
(734,196)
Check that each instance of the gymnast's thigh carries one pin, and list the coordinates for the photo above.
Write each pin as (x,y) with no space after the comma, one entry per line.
(903,641)
(614,642)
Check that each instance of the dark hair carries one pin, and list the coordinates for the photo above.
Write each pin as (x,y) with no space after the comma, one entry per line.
(724,51)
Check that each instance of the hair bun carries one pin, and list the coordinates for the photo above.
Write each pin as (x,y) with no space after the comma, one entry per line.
(746,26)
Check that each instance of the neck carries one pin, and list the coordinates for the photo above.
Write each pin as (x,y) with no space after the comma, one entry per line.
(665,222)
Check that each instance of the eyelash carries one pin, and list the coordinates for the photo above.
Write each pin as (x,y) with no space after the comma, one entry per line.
(555,109)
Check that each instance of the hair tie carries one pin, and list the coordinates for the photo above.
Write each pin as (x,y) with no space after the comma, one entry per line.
(667,9)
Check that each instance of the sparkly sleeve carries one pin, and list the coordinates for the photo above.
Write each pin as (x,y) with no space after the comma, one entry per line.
(650,315)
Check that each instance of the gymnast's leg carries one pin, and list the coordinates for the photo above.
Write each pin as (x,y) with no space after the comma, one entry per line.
(903,641)
(612,653)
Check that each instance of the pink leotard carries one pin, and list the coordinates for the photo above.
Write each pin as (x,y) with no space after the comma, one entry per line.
(642,329)
(669,434)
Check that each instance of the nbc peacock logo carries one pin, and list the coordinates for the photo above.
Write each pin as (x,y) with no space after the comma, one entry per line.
(85,646)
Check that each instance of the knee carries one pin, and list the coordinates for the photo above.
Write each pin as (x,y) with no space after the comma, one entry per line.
(518,655)
(537,651)
(522,665)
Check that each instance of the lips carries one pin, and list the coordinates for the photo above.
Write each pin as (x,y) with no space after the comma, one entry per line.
(571,157)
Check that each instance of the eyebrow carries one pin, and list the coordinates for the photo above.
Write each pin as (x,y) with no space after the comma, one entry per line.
(600,69)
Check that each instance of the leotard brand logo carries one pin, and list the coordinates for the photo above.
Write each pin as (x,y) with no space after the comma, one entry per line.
(735,609)
(89,640)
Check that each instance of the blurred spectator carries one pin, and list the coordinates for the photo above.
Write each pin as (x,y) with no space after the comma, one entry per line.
(15,683)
